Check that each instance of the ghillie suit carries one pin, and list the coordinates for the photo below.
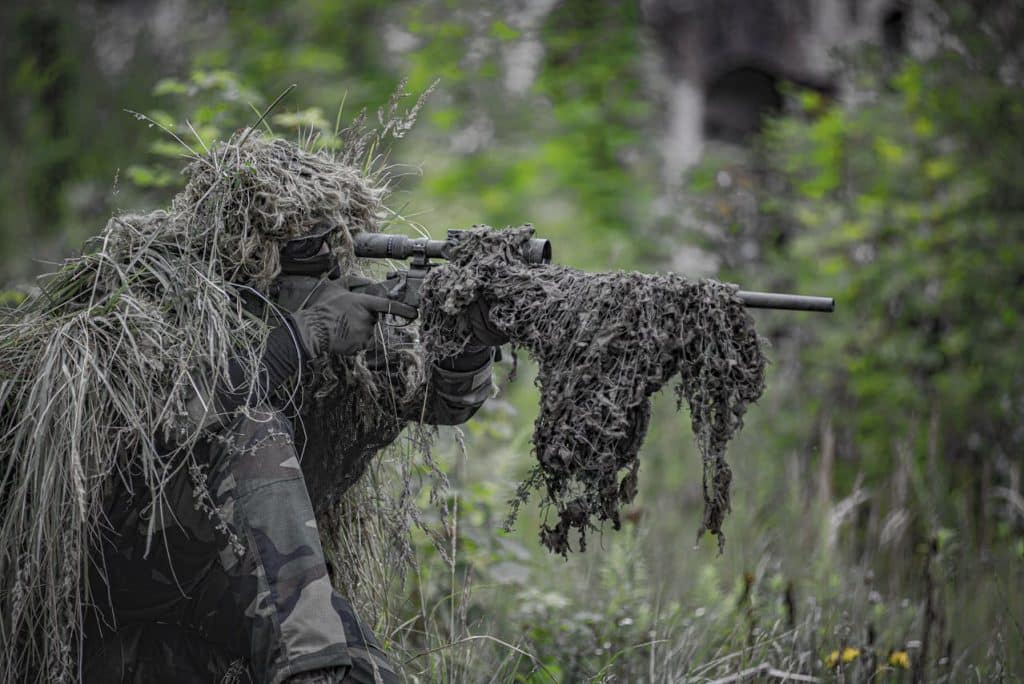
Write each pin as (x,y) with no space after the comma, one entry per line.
(98,368)
(605,343)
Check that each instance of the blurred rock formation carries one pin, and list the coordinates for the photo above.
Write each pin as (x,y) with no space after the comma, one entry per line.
(726,59)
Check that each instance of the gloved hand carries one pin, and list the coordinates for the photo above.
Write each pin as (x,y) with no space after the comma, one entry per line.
(477,314)
(484,333)
(336,320)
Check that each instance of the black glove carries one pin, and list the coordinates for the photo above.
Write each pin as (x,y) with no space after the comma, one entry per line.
(337,320)
(478,314)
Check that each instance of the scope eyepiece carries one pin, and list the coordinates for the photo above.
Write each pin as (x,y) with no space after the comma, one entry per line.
(538,251)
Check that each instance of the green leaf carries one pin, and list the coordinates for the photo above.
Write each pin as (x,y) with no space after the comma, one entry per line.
(889,151)
(170,86)
(306,118)
(939,169)
(445,118)
(503,31)
(150,177)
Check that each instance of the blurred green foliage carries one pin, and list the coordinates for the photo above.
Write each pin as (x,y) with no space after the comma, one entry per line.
(889,440)
(906,208)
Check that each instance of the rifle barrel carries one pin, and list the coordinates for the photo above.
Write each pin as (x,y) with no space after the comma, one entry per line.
(775,300)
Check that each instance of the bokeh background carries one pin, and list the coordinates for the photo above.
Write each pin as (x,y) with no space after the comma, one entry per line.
(867,150)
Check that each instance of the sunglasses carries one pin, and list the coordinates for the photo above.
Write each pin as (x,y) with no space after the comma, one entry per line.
(308,246)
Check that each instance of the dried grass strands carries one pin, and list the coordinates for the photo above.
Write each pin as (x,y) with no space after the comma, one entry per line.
(605,342)
(96,368)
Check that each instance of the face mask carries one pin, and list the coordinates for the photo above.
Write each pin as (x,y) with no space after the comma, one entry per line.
(290,291)
(314,266)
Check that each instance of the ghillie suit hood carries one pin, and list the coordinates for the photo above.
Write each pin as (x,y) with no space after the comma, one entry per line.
(604,342)
(96,368)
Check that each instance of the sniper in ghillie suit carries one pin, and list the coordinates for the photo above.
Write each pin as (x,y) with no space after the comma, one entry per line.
(187,405)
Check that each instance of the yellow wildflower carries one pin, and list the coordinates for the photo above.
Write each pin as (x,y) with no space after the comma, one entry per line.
(899,659)
(848,654)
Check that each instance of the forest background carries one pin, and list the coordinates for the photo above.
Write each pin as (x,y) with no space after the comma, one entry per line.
(878,524)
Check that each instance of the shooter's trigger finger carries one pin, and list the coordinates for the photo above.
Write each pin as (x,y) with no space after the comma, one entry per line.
(383,305)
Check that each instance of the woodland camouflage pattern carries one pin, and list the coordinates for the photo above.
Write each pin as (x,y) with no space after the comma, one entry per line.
(199,605)
(238,585)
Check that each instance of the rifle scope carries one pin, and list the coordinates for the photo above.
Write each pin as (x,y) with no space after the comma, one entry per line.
(383,246)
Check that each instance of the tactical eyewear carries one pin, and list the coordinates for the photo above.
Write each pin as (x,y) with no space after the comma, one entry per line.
(308,246)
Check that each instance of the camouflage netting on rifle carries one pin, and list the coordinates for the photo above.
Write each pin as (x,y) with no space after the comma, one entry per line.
(97,366)
(604,342)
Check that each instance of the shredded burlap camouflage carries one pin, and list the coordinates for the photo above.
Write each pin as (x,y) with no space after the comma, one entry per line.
(605,342)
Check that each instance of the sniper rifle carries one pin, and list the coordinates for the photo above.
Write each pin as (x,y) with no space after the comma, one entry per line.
(406,282)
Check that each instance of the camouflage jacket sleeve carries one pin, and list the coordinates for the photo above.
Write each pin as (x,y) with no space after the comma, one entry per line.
(456,388)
